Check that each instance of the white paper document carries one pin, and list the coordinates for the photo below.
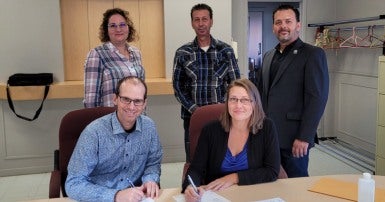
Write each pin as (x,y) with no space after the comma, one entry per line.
(147,199)
(208,196)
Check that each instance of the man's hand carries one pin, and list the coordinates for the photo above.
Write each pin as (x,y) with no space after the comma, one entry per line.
(151,189)
(299,148)
(134,194)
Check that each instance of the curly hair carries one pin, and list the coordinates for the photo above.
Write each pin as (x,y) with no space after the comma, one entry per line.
(103,29)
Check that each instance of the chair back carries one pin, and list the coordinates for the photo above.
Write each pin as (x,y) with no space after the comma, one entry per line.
(71,126)
(199,119)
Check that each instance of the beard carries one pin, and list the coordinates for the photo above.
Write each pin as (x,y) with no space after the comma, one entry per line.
(289,37)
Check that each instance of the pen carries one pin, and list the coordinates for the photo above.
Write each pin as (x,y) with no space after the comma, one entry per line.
(192,184)
(130,184)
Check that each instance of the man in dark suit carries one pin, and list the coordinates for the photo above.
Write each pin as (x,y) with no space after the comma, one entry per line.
(294,85)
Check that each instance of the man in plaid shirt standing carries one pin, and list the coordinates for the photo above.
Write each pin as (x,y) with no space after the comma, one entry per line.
(202,68)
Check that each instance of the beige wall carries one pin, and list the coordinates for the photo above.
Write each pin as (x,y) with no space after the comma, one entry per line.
(350,113)
(31,42)
(352,107)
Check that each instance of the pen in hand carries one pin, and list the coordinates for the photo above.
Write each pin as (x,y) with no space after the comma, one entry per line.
(130,183)
(192,184)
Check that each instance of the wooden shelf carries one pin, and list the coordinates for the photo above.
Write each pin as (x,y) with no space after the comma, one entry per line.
(75,89)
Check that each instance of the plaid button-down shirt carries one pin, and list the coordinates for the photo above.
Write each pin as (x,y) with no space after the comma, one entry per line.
(201,77)
(104,67)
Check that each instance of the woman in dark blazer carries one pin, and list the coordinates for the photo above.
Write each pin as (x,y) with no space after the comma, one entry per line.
(240,148)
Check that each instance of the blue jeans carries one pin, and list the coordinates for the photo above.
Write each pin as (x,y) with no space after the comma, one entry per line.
(294,167)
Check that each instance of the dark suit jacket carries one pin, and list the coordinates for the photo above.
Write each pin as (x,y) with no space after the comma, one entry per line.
(297,96)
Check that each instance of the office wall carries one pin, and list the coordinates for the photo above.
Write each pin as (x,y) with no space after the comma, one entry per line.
(30,37)
(353,109)
(350,113)
(178,30)
(311,11)
(31,42)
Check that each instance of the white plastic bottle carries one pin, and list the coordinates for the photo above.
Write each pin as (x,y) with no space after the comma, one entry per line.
(366,187)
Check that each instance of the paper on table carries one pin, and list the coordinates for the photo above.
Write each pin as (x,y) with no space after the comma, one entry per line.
(147,199)
(208,196)
(179,198)
(211,196)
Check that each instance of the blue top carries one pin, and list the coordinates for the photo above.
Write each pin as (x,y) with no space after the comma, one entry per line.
(235,163)
(106,156)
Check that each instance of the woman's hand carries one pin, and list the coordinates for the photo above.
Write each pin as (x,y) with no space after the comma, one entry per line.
(223,182)
(191,196)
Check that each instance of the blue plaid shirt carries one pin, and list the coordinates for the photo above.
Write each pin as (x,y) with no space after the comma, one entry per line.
(201,78)
(106,158)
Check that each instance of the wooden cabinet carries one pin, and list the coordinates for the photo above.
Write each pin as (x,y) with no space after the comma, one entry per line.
(380,140)
(80,30)
(80,21)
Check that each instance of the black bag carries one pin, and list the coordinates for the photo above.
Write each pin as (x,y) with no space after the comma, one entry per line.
(39,79)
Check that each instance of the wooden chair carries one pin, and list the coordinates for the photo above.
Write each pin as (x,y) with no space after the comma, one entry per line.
(71,126)
(201,117)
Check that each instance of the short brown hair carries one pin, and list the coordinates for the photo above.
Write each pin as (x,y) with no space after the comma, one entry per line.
(201,7)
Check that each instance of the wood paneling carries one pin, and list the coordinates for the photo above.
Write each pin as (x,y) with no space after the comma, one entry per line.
(95,11)
(80,24)
(152,37)
(74,20)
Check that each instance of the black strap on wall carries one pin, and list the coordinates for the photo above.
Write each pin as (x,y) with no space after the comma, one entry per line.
(10,103)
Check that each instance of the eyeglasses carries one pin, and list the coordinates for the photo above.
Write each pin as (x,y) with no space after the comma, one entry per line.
(244,101)
(114,26)
(127,101)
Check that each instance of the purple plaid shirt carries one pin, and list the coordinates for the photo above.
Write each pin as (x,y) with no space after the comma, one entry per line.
(104,67)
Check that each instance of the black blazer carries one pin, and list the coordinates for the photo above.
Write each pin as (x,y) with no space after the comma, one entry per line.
(297,97)
(262,156)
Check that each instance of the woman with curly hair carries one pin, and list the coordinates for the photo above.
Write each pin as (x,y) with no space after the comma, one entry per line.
(114,59)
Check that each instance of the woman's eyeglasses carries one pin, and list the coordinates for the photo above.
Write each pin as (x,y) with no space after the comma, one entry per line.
(114,26)
(244,101)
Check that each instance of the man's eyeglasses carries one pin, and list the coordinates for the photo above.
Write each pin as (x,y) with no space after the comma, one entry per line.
(234,100)
(127,101)
(114,26)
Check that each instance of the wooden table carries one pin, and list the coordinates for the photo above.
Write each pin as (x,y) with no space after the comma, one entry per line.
(291,189)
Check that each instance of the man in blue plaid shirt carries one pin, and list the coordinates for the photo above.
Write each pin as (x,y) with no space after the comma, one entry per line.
(202,68)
